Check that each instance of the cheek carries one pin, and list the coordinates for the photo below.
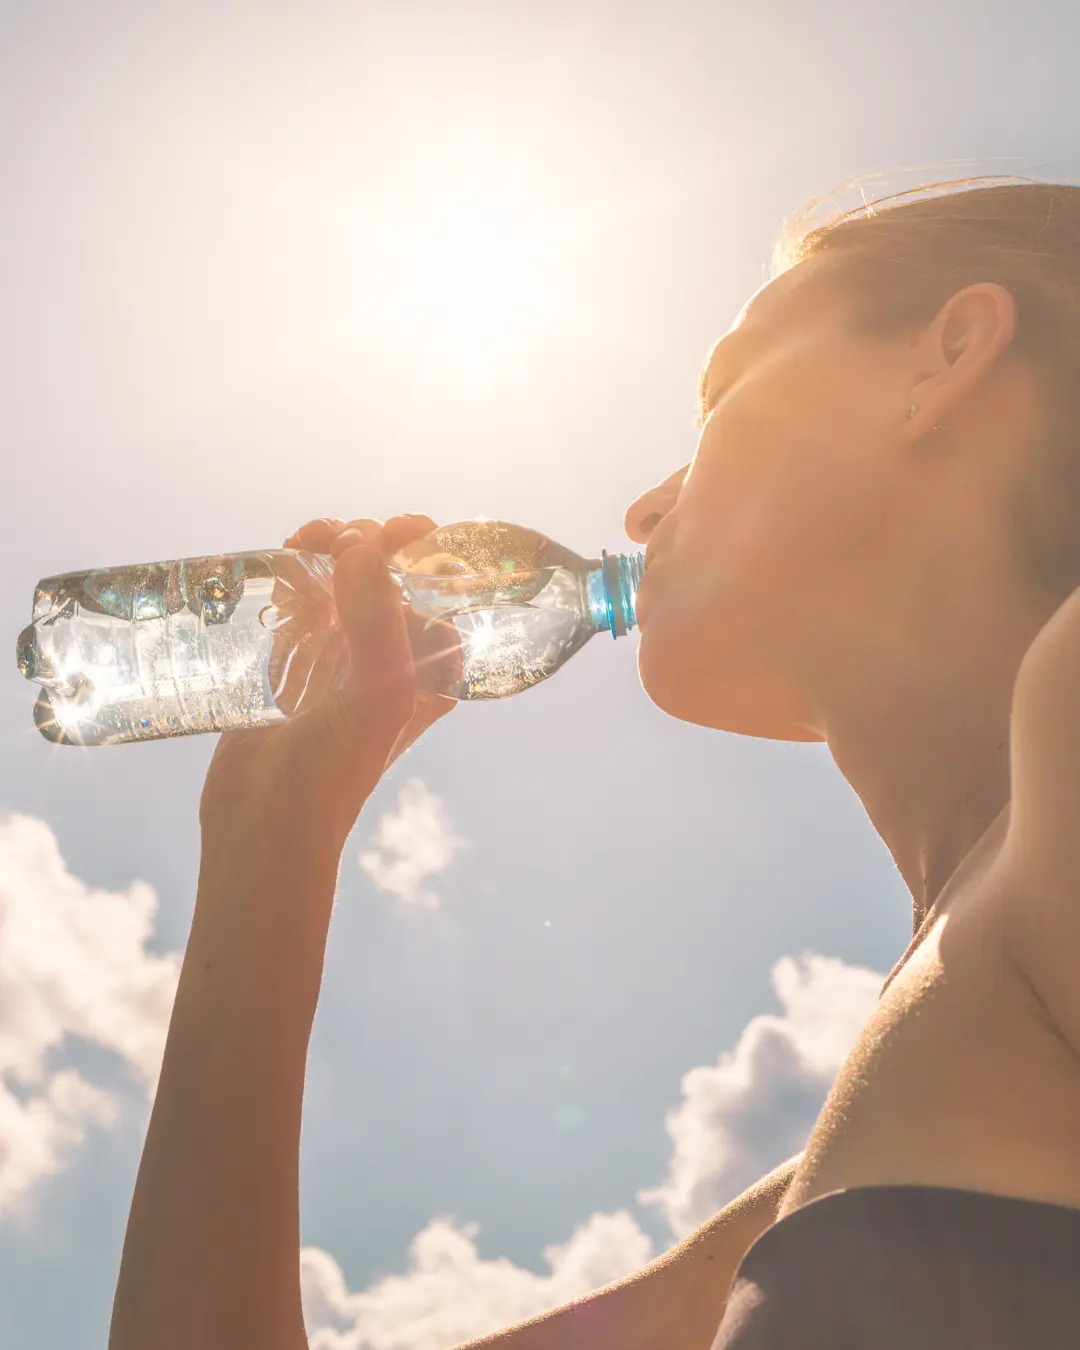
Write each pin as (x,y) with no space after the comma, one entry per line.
(784,501)
(790,461)
(781,507)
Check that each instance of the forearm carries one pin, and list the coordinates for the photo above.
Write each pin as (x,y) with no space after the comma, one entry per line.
(212,1248)
(676,1302)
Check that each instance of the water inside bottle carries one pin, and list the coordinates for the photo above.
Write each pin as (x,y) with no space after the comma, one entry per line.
(500,606)
(241,640)
(493,646)
(174,649)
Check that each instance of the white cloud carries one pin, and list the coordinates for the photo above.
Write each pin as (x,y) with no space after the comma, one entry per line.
(411,844)
(450,1293)
(38,1134)
(73,962)
(737,1119)
(741,1116)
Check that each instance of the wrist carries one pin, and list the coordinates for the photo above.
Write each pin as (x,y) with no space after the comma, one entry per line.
(288,801)
(265,848)
(265,821)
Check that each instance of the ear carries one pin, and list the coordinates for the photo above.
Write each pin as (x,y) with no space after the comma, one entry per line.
(958,351)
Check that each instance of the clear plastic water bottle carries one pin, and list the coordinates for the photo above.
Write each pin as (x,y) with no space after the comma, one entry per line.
(218,644)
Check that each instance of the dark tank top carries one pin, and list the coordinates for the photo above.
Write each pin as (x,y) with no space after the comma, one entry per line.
(910,1268)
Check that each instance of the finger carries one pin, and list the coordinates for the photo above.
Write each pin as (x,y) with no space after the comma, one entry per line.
(317,535)
(380,660)
(401,530)
(363,531)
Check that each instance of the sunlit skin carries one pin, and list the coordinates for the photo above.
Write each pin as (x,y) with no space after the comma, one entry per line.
(827,569)
(838,564)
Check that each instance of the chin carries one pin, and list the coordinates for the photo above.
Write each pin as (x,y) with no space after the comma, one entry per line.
(686,681)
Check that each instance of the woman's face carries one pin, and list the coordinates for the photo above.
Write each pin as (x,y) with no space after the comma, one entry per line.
(764,548)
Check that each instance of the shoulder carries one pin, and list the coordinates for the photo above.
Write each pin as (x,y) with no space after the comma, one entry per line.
(1040,857)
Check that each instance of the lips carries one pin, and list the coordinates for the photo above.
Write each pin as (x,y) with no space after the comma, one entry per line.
(645,587)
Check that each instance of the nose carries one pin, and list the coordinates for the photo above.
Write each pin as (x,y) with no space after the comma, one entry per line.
(647,511)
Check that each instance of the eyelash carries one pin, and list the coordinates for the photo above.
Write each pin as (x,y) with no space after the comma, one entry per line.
(705,412)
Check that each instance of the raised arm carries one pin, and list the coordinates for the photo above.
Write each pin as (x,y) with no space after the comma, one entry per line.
(211,1255)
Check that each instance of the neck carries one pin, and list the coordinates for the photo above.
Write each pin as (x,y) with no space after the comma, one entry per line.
(920,729)
(932,781)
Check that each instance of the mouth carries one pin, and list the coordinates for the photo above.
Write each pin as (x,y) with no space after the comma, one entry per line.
(644,594)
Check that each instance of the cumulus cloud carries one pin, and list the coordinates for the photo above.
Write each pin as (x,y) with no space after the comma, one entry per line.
(756,1106)
(73,962)
(39,1133)
(737,1119)
(410,844)
(450,1294)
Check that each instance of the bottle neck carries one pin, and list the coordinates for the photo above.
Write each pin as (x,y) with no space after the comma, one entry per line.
(612,591)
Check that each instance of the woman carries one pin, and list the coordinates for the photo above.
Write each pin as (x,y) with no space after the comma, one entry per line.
(877,545)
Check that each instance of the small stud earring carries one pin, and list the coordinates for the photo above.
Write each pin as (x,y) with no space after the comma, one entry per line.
(911,413)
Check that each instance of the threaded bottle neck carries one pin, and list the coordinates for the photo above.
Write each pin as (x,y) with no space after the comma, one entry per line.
(612,591)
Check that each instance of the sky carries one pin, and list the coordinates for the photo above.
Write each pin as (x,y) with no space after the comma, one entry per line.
(591,970)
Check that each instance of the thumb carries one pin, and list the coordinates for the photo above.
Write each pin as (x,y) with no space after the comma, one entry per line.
(379,678)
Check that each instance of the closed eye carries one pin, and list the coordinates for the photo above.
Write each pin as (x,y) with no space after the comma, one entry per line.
(716,379)
(710,399)
(724,367)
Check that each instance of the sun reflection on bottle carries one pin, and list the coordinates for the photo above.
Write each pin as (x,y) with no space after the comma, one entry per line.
(481,634)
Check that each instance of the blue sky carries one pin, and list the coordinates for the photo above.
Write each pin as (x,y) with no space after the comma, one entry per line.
(205,341)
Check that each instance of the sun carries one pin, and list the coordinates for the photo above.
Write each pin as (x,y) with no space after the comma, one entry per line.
(477,274)
(468,264)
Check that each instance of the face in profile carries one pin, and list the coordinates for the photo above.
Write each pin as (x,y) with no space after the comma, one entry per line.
(771,541)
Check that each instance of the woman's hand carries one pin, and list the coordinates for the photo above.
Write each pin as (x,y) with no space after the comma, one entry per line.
(306,779)
(210,1253)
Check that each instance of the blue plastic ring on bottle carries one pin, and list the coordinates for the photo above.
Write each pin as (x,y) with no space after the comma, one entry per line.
(612,588)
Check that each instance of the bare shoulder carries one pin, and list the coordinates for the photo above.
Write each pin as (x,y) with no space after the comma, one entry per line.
(1040,858)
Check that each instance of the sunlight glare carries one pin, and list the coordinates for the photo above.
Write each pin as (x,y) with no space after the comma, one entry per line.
(481,634)
(468,261)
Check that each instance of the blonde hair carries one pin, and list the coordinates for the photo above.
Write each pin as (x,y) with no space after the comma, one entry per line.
(904,255)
